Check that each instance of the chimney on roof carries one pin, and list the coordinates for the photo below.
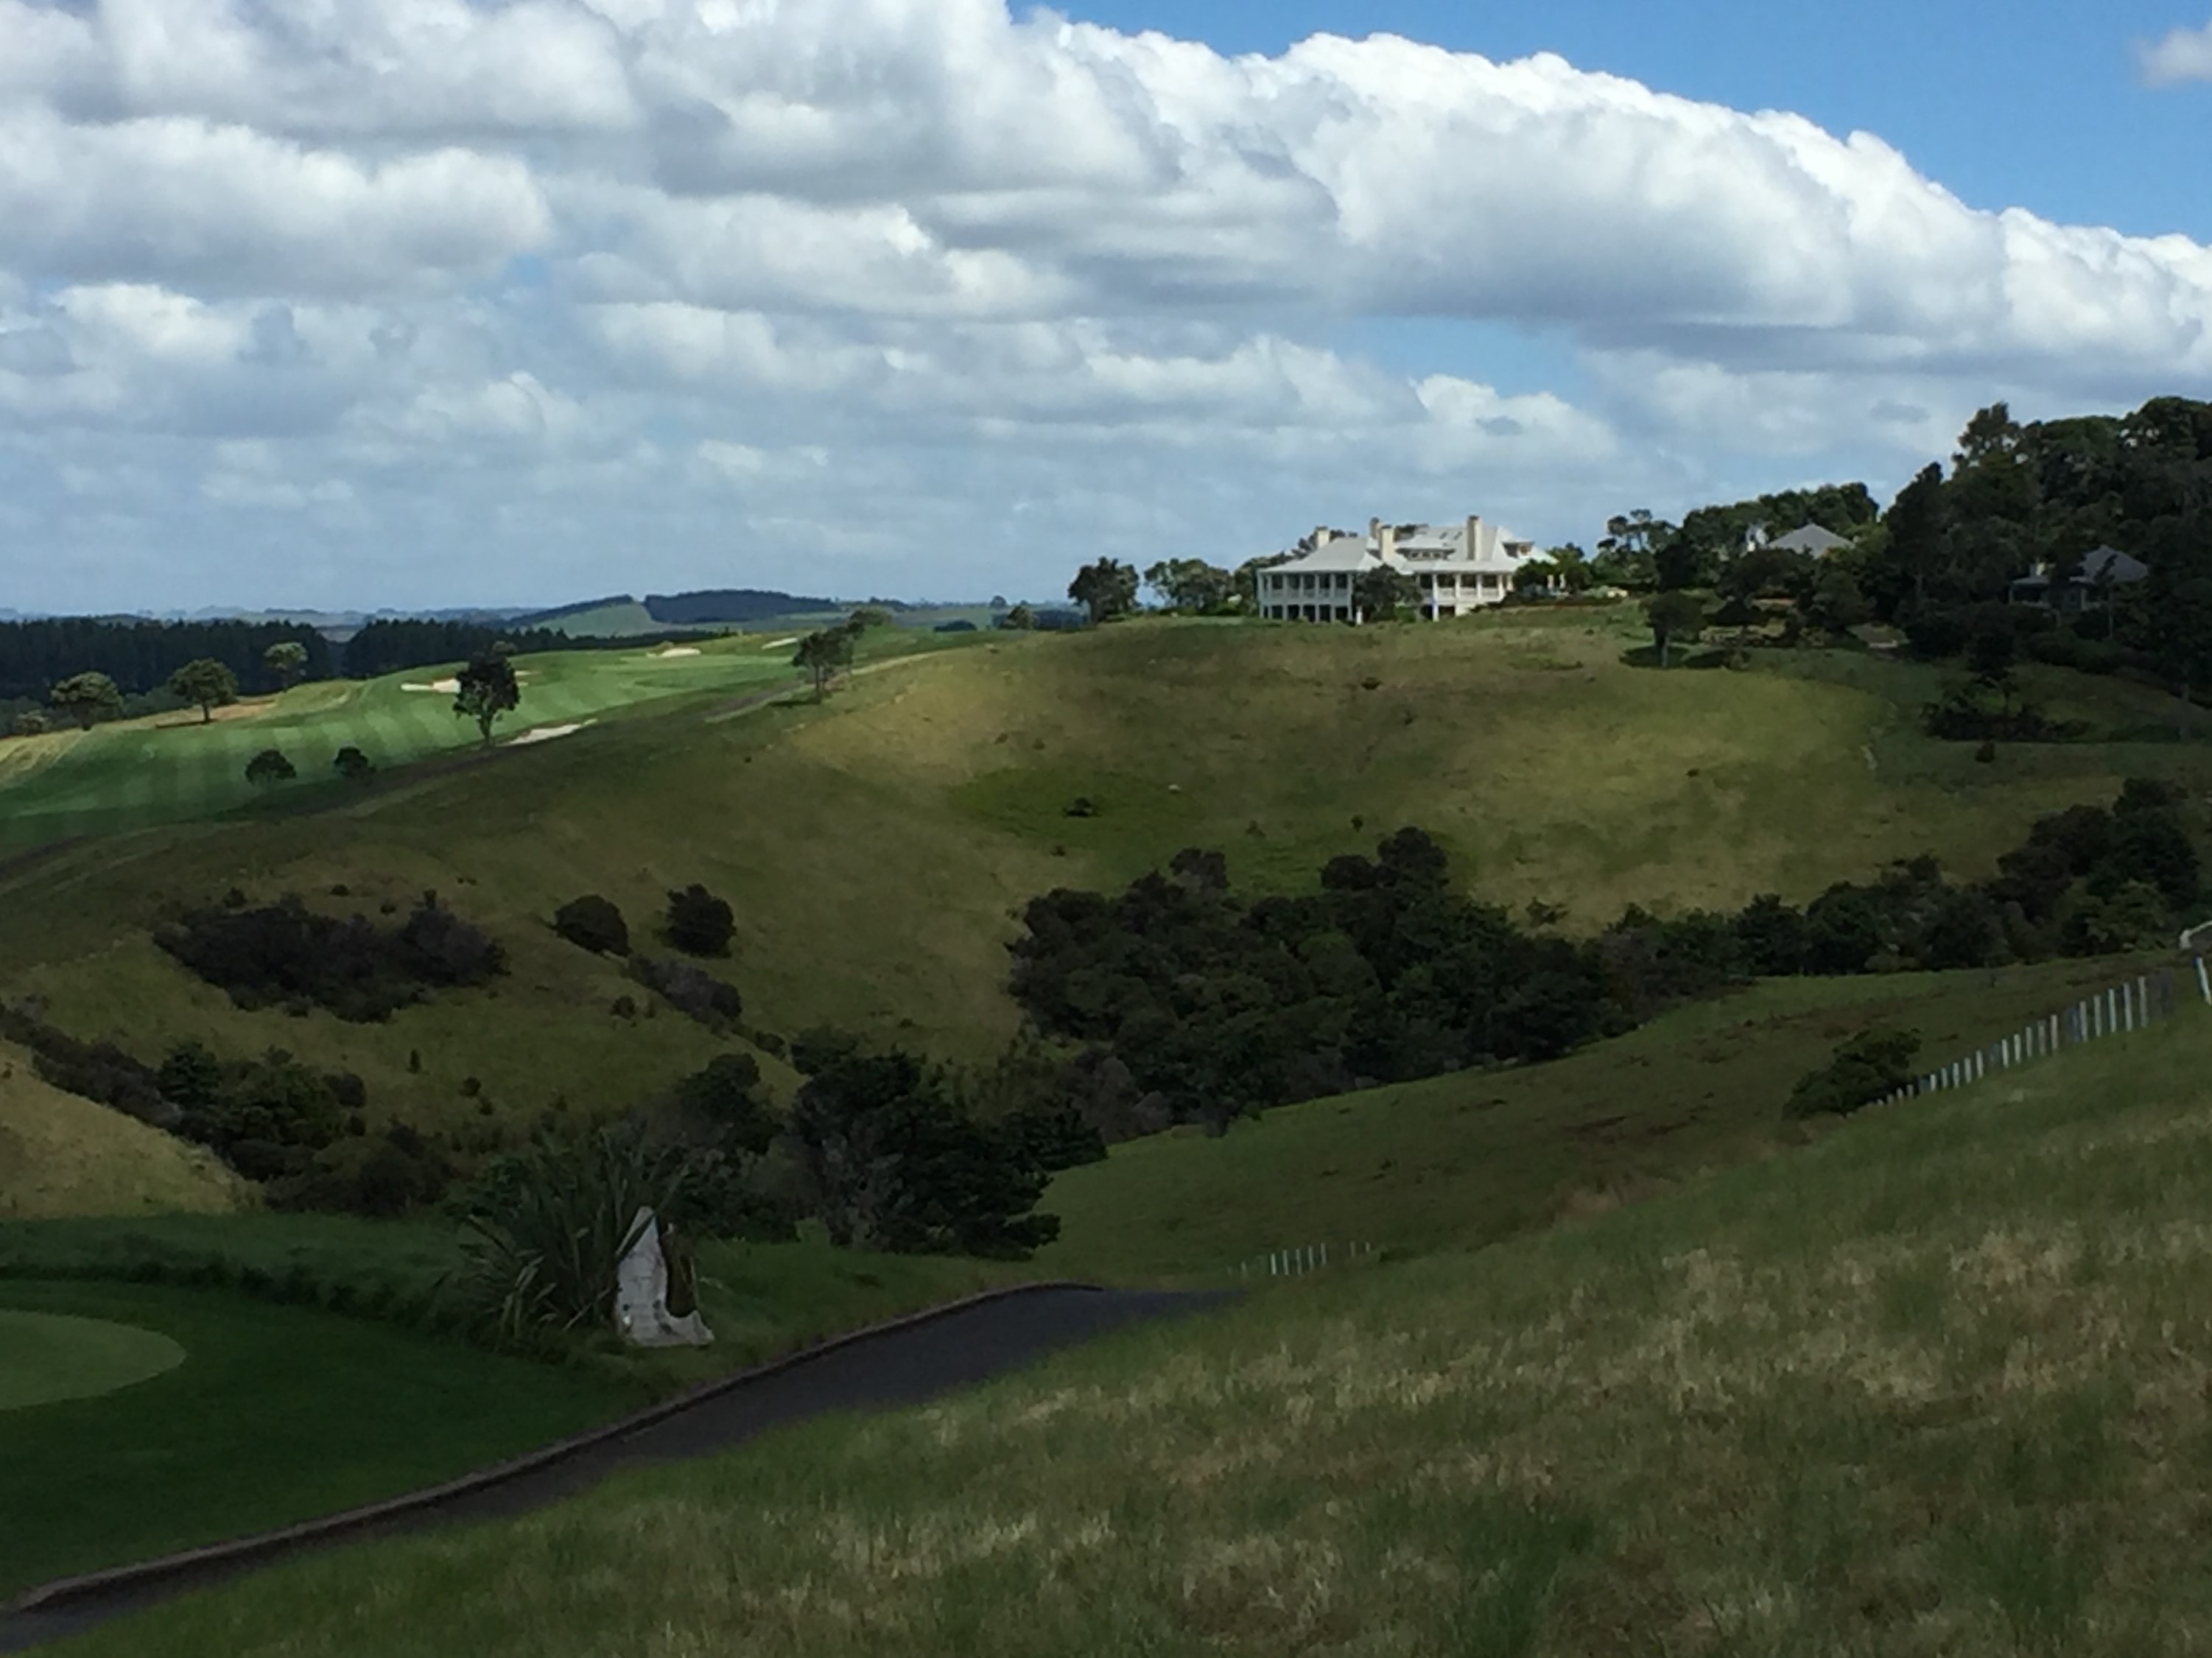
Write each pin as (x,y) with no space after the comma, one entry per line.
(1473,536)
(1384,536)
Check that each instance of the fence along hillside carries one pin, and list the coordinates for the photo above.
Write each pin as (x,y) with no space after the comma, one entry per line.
(2129,1005)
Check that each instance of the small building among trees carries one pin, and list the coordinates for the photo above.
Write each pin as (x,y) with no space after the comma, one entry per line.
(2089,587)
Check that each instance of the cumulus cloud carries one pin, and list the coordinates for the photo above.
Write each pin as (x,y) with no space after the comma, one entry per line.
(2179,55)
(669,260)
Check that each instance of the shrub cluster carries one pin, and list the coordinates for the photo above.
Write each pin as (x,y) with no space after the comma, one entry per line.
(1217,1005)
(286,954)
(888,1159)
(691,990)
(1869,1067)
(1191,1003)
(594,923)
(699,923)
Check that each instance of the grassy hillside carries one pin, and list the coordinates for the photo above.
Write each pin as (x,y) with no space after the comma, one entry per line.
(876,848)
(1467,1159)
(60,1155)
(1935,1386)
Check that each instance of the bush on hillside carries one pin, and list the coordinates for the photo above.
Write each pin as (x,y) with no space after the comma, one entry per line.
(352,764)
(691,990)
(284,952)
(379,1176)
(699,923)
(594,923)
(889,1160)
(1869,1067)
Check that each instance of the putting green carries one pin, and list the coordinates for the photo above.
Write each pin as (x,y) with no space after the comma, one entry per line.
(46,1356)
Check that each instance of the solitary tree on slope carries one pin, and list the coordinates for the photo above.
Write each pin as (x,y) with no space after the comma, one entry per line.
(207,682)
(486,690)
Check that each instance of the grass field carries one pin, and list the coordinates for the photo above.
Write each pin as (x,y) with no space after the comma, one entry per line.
(1936,1386)
(48,1356)
(878,848)
(1470,1158)
(276,1414)
(61,1155)
(285,1409)
(761,1299)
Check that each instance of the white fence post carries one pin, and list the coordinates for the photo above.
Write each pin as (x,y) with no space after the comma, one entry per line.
(2204,981)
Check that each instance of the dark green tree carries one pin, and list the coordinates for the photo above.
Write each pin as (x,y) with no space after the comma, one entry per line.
(87,698)
(889,1162)
(825,655)
(206,683)
(488,689)
(1867,1067)
(269,768)
(1107,589)
(1385,594)
(286,661)
(1674,614)
(699,923)
(351,765)
(1191,586)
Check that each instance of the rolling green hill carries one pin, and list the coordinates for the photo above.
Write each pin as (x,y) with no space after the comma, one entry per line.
(1935,1385)
(877,847)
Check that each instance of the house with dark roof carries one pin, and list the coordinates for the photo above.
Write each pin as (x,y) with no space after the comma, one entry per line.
(2101,571)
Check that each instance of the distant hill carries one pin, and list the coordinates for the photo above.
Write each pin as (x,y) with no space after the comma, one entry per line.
(561,612)
(730,604)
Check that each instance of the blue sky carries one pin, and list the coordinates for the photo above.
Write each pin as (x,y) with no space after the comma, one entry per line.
(393,302)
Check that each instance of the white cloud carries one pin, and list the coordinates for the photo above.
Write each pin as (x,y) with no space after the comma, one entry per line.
(454,260)
(2179,55)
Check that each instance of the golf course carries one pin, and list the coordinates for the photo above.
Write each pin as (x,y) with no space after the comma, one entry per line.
(1602,1291)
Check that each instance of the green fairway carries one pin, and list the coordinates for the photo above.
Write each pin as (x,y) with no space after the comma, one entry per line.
(46,1356)
(276,1414)
(1470,1158)
(175,767)
(1933,1385)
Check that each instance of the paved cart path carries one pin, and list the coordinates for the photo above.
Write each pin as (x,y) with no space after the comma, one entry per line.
(898,1366)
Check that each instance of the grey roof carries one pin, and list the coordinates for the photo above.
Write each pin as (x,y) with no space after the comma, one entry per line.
(2102,563)
(2111,562)
(1814,538)
(1340,553)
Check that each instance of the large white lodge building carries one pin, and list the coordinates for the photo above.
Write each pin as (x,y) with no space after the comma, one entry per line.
(1460,568)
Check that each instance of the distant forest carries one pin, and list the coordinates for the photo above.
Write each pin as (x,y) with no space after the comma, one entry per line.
(730,604)
(140,656)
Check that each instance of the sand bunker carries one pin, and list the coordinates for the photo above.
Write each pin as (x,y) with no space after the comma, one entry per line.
(778,644)
(443,687)
(677,650)
(544,733)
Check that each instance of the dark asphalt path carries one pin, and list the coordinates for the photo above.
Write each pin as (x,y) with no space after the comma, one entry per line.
(898,1367)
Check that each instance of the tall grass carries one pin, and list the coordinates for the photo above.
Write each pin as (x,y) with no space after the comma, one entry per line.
(1936,1386)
